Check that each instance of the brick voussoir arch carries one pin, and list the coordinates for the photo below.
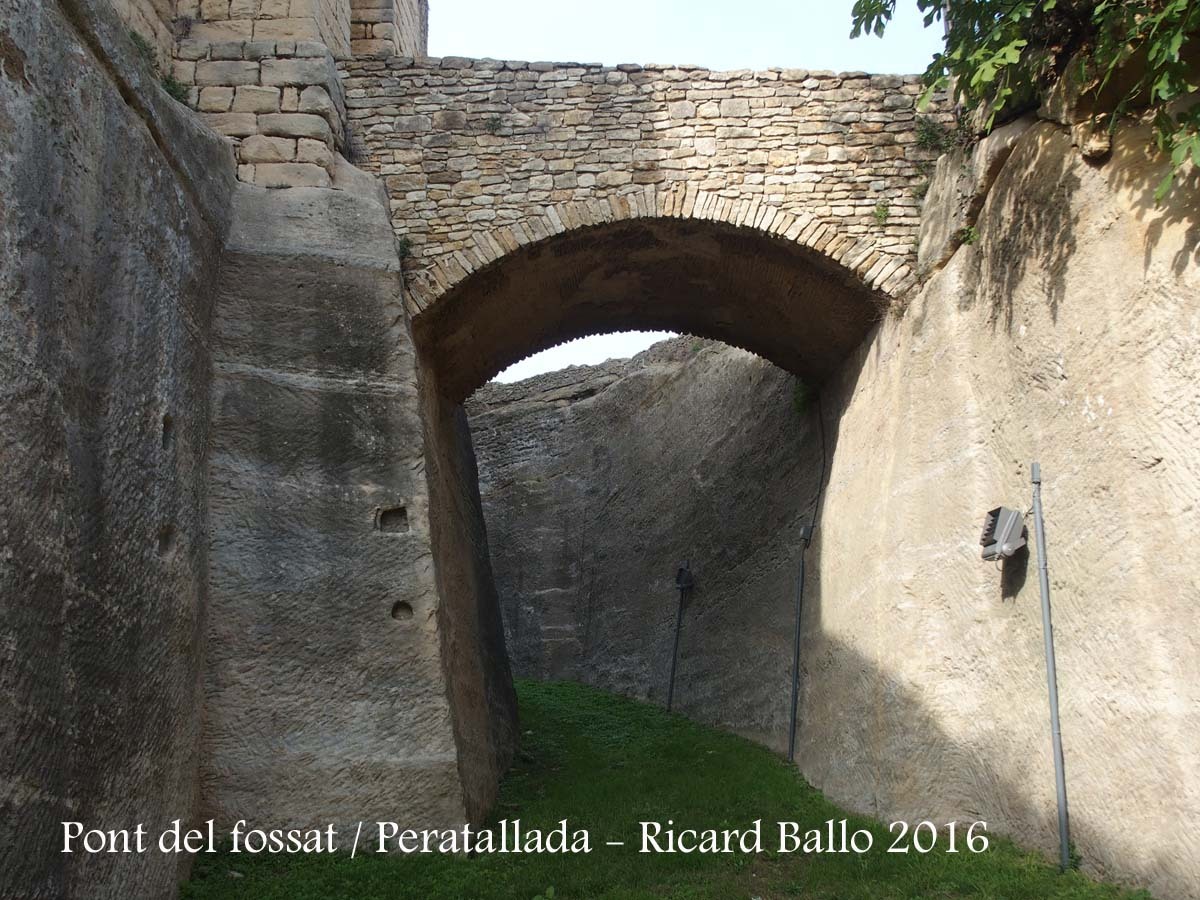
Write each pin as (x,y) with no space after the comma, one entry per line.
(888,274)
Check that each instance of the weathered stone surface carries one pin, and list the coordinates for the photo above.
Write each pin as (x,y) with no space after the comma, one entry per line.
(113,206)
(597,482)
(316,455)
(298,125)
(959,185)
(261,149)
(1065,334)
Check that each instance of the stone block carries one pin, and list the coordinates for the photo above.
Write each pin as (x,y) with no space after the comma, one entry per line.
(256,99)
(735,107)
(215,99)
(282,175)
(372,49)
(286,30)
(184,71)
(260,148)
(213,10)
(404,124)
(210,32)
(449,119)
(226,73)
(295,125)
(315,152)
(232,124)
(316,100)
(226,50)
(258,49)
(295,71)
(192,49)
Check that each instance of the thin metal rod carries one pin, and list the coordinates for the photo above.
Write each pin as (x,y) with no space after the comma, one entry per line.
(796,657)
(675,651)
(1060,779)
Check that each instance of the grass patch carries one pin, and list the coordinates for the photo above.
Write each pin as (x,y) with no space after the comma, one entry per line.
(606,763)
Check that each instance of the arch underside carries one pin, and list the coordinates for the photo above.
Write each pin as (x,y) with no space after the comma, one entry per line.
(774,297)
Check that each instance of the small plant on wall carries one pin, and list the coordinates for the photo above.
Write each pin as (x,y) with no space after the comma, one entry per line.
(145,49)
(882,211)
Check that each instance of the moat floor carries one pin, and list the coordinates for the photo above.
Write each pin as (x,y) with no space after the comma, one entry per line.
(606,764)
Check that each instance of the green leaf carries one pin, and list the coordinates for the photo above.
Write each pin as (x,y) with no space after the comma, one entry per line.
(1164,187)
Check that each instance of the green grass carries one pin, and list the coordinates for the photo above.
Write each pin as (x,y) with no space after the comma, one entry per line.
(605,764)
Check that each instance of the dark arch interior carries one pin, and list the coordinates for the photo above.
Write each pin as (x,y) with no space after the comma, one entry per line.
(782,301)
(776,298)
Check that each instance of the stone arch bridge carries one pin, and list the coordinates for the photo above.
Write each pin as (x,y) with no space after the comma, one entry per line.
(482,157)
(242,523)
(530,203)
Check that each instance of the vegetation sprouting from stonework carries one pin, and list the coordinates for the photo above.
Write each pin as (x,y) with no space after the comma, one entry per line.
(1126,55)
(175,88)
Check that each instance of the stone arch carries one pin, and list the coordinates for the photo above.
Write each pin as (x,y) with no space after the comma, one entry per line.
(885,270)
(786,287)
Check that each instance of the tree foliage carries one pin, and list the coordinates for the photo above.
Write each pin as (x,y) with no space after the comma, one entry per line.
(1004,54)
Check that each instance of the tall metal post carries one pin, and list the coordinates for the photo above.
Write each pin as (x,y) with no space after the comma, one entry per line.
(1060,780)
(805,539)
(683,581)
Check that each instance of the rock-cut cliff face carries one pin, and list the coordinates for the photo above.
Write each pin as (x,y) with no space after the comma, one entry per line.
(598,482)
(114,205)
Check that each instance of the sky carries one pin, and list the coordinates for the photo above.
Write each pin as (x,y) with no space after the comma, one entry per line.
(717,34)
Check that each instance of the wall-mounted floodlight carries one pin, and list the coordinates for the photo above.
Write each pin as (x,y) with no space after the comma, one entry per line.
(1003,533)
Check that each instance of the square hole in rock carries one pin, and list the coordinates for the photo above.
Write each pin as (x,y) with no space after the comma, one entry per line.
(393,520)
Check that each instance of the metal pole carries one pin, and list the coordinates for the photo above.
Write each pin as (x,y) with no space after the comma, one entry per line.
(796,655)
(683,580)
(1060,780)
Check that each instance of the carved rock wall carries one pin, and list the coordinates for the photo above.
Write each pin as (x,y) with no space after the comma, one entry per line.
(598,482)
(1066,333)
(114,204)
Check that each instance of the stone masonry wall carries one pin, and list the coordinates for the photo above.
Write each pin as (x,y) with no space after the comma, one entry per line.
(280,102)
(383,28)
(262,73)
(219,21)
(483,156)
